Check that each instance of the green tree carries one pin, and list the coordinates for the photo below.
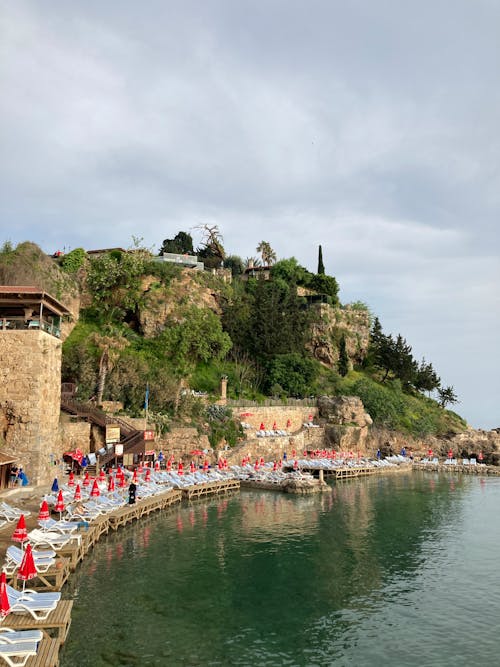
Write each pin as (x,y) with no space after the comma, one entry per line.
(293,372)
(235,263)
(290,271)
(324,284)
(447,396)
(321,266)
(343,363)
(198,337)
(426,379)
(181,244)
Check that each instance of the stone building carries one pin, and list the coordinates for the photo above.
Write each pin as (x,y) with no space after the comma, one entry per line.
(30,378)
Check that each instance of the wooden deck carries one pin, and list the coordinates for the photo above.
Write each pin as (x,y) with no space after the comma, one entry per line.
(143,507)
(346,472)
(52,580)
(47,654)
(55,626)
(211,489)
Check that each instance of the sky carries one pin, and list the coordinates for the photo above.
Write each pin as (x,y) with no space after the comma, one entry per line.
(369,127)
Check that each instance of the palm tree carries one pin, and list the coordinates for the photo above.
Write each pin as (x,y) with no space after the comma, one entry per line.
(110,347)
(267,253)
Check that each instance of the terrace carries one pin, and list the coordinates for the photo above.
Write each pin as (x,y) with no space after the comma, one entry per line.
(30,308)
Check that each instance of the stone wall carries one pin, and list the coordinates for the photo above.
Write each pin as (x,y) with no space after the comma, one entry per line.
(74,435)
(30,396)
(281,414)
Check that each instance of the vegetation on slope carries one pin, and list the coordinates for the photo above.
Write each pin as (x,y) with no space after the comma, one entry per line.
(256,334)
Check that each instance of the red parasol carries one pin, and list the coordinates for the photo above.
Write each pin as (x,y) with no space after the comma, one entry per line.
(20,533)
(134,476)
(262,427)
(157,465)
(192,466)
(197,452)
(246,414)
(147,478)
(288,423)
(95,490)
(140,469)
(274,426)
(180,468)
(59,507)
(450,454)
(86,479)
(44,514)
(122,483)
(205,465)
(27,569)
(4,598)
(78,493)
(111,483)
(169,465)
(71,480)
(102,475)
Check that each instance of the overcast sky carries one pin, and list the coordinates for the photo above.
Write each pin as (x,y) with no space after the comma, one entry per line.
(367,126)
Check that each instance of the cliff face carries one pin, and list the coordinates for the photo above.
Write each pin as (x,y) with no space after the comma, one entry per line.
(333,323)
(162,304)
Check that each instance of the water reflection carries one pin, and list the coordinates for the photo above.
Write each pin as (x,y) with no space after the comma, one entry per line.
(273,579)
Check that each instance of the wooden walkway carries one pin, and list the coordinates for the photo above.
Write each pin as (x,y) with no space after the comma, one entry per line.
(211,489)
(143,507)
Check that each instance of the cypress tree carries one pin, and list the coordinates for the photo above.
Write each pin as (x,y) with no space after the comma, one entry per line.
(321,266)
(343,363)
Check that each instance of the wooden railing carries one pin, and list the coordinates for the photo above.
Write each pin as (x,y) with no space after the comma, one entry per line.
(130,437)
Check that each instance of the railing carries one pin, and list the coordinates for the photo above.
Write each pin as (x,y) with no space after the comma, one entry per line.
(268,402)
(20,324)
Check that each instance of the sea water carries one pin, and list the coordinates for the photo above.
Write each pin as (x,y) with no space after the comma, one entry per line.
(393,571)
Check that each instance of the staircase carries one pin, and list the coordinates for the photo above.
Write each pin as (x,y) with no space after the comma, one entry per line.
(131,439)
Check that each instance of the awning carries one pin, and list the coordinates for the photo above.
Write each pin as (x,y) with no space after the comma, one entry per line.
(6,458)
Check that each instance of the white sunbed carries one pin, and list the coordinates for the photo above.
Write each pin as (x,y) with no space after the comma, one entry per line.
(10,636)
(10,513)
(16,654)
(56,541)
(14,556)
(62,527)
(28,594)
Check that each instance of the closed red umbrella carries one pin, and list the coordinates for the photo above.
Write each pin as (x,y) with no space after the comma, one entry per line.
(134,476)
(111,483)
(71,480)
(86,479)
(262,427)
(59,507)
(44,513)
(95,490)
(4,598)
(20,533)
(78,493)
(450,454)
(27,569)
(288,423)
(274,426)
(180,468)
(102,475)
(147,478)
(205,465)
(192,466)
(157,465)
(169,465)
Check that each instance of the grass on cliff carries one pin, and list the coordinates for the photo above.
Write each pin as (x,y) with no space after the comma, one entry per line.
(389,406)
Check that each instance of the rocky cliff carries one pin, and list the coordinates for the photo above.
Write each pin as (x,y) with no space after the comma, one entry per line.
(333,323)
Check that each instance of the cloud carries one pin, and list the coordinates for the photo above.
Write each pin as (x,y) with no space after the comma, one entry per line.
(370,128)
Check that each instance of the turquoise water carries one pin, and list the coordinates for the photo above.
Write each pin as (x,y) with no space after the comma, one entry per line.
(393,571)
